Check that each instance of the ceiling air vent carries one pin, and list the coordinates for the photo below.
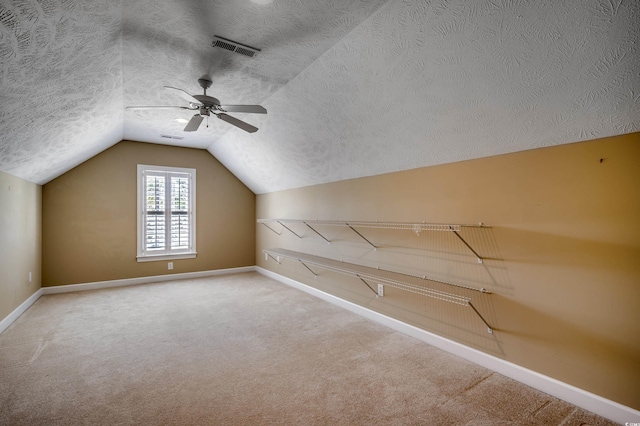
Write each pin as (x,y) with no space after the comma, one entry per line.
(234,46)
(172,137)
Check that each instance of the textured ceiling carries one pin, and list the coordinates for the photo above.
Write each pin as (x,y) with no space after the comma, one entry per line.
(353,88)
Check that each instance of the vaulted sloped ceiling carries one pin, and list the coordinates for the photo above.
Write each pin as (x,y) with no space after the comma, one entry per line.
(352,88)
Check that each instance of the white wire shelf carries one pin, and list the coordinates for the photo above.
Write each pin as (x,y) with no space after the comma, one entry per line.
(367,274)
(416,227)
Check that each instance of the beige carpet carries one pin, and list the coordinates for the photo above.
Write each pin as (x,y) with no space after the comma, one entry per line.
(242,349)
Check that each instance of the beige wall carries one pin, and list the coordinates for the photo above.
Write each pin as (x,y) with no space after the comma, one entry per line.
(20,241)
(562,254)
(89,217)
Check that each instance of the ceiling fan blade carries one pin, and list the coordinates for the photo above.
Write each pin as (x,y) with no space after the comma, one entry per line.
(238,123)
(254,109)
(158,107)
(183,95)
(194,123)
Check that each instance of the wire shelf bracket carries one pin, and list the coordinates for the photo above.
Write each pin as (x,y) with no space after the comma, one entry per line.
(417,228)
(316,231)
(367,274)
(362,236)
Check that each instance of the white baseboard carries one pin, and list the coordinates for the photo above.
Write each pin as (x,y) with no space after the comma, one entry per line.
(142,280)
(576,396)
(573,395)
(9,319)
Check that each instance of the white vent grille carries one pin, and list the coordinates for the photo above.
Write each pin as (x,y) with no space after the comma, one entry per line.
(234,46)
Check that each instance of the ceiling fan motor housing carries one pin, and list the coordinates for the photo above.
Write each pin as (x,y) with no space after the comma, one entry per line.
(207,101)
(207,105)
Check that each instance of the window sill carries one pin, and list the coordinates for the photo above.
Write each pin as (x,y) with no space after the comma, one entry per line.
(158,257)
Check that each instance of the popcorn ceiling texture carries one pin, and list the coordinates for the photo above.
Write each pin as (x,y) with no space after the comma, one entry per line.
(61,80)
(352,88)
(169,43)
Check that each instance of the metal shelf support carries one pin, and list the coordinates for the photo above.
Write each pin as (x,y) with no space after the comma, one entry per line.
(311,270)
(362,236)
(390,278)
(288,229)
(274,231)
(314,230)
(489,329)
(456,233)
(367,284)
(417,228)
(268,255)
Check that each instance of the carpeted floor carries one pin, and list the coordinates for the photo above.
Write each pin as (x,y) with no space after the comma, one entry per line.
(237,350)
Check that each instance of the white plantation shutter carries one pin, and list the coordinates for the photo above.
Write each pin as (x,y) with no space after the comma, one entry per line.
(180,220)
(155,223)
(166,215)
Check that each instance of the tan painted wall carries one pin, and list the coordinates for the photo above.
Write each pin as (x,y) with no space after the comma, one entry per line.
(20,241)
(89,217)
(562,254)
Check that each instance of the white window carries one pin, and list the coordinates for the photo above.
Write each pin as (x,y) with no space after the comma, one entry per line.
(166,213)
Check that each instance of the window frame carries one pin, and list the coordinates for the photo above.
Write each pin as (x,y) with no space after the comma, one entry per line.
(144,255)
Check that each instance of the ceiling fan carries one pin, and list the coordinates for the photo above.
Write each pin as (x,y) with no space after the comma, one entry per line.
(207,105)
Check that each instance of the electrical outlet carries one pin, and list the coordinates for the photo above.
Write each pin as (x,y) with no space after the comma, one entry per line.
(170,265)
(30,277)
(380,290)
